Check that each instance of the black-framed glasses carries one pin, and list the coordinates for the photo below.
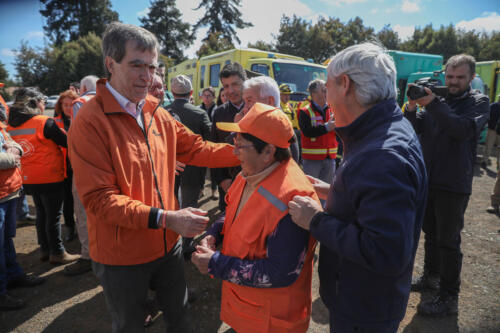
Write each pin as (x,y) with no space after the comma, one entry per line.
(239,147)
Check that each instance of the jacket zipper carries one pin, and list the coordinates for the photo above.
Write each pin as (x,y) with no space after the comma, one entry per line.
(145,133)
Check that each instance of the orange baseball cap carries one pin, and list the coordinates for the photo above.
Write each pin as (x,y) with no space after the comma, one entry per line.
(265,122)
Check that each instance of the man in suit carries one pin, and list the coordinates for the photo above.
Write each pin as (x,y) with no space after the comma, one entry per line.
(196,119)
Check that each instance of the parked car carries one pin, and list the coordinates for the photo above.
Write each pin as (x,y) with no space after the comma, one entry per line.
(51,101)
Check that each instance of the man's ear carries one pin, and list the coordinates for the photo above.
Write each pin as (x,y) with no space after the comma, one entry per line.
(346,84)
(110,63)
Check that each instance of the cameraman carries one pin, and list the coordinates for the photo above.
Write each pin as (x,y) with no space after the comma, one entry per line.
(449,130)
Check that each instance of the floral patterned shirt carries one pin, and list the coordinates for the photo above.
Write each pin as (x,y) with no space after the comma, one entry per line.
(286,253)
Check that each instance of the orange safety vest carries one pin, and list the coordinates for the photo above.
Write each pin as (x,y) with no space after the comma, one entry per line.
(265,310)
(60,123)
(10,179)
(322,146)
(42,160)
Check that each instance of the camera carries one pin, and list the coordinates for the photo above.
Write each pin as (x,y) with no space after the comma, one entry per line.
(417,90)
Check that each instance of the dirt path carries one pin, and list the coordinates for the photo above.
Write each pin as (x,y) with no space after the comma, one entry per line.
(76,304)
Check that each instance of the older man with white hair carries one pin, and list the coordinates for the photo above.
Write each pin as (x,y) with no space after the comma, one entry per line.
(370,228)
(263,89)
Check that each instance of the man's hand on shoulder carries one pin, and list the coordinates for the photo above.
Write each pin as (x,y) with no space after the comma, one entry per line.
(187,222)
(302,210)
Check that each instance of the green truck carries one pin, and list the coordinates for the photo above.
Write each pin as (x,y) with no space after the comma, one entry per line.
(489,71)
(413,66)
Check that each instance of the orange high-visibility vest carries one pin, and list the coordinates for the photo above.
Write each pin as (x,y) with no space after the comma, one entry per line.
(42,160)
(60,123)
(322,146)
(10,179)
(265,310)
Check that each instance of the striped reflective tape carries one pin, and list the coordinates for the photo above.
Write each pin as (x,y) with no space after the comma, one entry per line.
(272,199)
(22,131)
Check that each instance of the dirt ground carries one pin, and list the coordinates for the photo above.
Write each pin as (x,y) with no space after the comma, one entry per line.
(76,304)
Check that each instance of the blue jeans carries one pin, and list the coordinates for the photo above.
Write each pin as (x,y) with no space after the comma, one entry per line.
(48,219)
(9,268)
(22,206)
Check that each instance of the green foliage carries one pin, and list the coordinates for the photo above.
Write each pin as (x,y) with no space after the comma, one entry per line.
(214,43)
(321,40)
(164,21)
(3,73)
(388,37)
(69,20)
(53,68)
(261,45)
(221,16)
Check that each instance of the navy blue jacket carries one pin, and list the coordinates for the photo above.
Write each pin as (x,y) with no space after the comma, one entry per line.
(449,130)
(370,229)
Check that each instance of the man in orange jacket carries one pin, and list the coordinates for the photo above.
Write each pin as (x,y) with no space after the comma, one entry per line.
(266,260)
(123,147)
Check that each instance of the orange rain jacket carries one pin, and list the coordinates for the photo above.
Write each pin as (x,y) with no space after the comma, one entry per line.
(123,174)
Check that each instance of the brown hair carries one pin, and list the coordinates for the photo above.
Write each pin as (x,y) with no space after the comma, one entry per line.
(462,59)
(66,94)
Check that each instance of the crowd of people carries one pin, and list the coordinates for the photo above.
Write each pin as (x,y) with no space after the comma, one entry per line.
(125,162)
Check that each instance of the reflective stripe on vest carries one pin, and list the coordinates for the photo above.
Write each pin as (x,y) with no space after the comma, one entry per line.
(23,131)
(319,151)
(272,199)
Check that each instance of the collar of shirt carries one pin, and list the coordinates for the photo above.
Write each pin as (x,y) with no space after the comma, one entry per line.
(319,107)
(238,107)
(133,109)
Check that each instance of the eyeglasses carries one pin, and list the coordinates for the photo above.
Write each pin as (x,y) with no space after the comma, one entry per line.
(239,147)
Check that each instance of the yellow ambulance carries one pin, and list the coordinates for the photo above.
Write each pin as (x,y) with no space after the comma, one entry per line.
(284,68)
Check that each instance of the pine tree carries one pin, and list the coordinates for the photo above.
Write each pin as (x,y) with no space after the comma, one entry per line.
(164,21)
(221,16)
(69,20)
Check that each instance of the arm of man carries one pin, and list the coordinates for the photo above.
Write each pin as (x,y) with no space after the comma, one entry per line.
(8,161)
(460,126)
(308,129)
(206,127)
(52,132)
(383,235)
(192,150)
(281,268)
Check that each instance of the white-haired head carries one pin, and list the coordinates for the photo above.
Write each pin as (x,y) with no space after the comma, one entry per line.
(371,69)
(89,83)
(266,87)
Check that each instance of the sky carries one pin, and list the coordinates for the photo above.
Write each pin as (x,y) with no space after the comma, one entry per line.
(21,20)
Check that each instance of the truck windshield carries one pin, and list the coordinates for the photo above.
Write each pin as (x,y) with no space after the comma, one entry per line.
(297,76)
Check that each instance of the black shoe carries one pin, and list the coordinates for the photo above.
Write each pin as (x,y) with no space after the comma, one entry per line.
(493,209)
(71,234)
(25,281)
(152,312)
(425,282)
(442,305)
(78,267)
(10,303)
(27,218)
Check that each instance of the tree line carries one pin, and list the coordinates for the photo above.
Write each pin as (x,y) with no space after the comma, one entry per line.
(74,29)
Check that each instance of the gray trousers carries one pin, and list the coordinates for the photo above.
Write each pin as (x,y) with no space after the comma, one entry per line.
(81,224)
(126,291)
(321,169)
